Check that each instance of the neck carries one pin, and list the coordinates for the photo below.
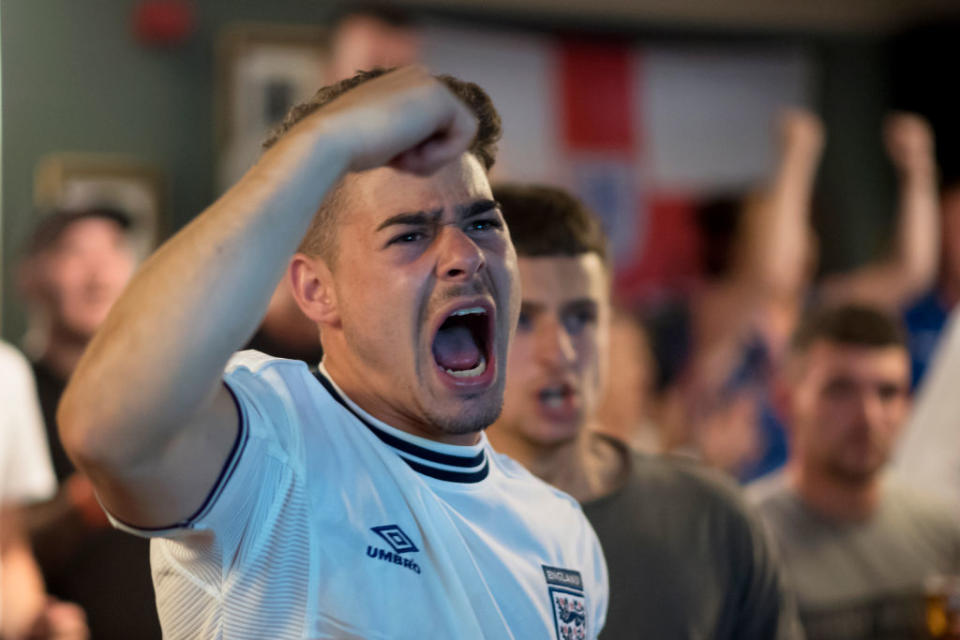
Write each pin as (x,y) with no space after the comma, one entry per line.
(63,352)
(586,467)
(832,498)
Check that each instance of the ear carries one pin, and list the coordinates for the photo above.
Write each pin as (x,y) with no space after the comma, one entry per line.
(312,284)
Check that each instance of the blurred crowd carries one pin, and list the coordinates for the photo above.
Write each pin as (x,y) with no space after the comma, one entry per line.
(775,442)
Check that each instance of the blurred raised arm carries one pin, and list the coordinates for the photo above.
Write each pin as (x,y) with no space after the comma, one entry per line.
(911,266)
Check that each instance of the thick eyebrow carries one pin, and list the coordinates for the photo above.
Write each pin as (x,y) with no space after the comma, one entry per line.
(421,218)
(412,218)
(476,208)
(580,304)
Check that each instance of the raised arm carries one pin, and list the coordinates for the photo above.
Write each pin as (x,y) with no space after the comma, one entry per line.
(911,266)
(773,259)
(775,244)
(146,415)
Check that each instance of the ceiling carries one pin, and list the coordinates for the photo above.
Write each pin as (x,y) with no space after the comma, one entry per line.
(868,16)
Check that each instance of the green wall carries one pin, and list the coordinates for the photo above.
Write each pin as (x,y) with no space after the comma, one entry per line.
(75,79)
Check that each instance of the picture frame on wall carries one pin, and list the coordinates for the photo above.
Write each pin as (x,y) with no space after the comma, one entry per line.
(75,181)
(263,69)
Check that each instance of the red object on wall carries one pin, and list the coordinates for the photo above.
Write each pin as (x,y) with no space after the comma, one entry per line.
(669,254)
(163,22)
(596,81)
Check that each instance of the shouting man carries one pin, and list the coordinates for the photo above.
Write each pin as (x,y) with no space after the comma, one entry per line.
(364,502)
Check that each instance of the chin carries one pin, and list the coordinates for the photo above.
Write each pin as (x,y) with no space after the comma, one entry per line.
(860,472)
(551,435)
(470,416)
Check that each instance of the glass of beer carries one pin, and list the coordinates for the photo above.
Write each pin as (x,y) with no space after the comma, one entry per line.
(943,606)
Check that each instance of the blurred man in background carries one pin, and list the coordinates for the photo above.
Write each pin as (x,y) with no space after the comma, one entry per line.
(75,266)
(686,560)
(370,35)
(856,546)
(25,478)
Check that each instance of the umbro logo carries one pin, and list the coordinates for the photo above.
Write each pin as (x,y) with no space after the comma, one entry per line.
(399,541)
(396,538)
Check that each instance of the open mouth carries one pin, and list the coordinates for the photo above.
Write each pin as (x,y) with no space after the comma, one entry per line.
(559,402)
(461,344)
(556,397)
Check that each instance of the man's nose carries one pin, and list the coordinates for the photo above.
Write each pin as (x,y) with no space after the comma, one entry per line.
(870,408)
(554,346)
(460,258)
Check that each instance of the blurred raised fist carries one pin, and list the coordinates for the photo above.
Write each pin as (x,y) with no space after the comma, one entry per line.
(909,141)
(800,131)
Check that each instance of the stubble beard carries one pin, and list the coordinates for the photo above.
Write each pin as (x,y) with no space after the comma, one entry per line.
(474,416)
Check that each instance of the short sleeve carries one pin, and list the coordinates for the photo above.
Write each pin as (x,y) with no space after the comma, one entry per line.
(258,472)
(26,474)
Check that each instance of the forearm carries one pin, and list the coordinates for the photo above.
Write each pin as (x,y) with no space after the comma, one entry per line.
(162,349)
(910,267)
(780,220)
(775,247)
(917,241)
(21,584)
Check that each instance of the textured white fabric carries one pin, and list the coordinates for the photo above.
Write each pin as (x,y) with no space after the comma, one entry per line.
(928,455)
(287,548)
(26,474)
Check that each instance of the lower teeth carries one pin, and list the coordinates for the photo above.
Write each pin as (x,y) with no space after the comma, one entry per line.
(470,373)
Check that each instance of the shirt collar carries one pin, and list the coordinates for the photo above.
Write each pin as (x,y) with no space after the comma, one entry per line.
(449,462)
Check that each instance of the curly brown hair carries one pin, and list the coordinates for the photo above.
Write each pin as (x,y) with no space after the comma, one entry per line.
(320,239)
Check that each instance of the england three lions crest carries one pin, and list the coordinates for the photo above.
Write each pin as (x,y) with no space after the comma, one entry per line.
(568,601)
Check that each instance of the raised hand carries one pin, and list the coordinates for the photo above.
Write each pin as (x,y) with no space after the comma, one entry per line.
(909,141)
(800,131)
(406,119)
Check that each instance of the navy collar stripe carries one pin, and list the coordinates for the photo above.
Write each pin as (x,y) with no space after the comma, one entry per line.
(450,476)
(423,453)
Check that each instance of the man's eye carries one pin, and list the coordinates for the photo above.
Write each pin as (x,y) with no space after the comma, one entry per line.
(484,225)
(575,322)
(406,238)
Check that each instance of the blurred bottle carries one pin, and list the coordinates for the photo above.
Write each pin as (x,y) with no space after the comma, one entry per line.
(943,607)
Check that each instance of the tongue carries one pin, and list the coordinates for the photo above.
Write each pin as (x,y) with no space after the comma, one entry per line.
(455,349)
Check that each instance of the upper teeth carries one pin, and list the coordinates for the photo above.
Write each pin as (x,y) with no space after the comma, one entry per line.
(469,311)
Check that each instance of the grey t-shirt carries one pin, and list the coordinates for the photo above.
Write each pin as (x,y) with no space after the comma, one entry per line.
(862,579)
(686,559)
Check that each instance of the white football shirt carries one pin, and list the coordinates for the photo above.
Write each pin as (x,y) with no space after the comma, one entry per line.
(26,474)
(328,523)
